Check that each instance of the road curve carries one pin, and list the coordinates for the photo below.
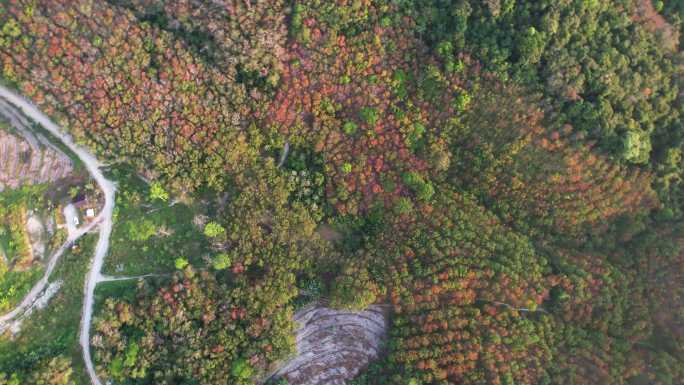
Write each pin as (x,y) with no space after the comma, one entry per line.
(29,299)
(38,288)
(104,218)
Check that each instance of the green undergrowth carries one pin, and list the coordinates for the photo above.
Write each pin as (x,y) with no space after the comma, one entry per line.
(53,331)
(19,268)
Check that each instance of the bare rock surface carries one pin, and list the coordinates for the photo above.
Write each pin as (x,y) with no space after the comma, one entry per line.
(36,232)
(334,345)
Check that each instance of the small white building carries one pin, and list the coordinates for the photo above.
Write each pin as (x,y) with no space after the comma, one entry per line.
(90,213)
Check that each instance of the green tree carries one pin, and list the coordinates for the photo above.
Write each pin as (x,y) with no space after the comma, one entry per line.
(403,206)
(141,229)
(181,263)
(353,289)
(462,101)
(637,147)
(349,128)
(221,261)
(531,46)
(369,115)
(424,190)
(157,191)
(241,369)
(11,28)
(213,230)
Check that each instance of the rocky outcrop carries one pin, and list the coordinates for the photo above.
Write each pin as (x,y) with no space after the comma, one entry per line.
(334,345)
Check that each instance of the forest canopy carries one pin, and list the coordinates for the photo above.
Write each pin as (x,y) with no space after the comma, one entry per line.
(504,177)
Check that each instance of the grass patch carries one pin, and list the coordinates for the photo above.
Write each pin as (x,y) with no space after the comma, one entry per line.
(124,290)
(15,285)
(149,234)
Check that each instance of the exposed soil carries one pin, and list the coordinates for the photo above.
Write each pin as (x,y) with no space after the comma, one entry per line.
(27,158)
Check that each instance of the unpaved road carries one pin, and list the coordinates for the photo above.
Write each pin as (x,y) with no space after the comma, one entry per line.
(69,214)
(104,219)
(14,325)
(38,288)
(29,300)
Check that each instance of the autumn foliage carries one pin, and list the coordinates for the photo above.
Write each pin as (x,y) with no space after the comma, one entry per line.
(130,90)
(352,89)
(539,180)
(492,188)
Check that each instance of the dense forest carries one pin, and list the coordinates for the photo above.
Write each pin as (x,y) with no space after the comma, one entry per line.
(505,177)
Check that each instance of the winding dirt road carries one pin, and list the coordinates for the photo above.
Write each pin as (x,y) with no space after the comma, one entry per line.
(332,345)
(104,220)
(40,286)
